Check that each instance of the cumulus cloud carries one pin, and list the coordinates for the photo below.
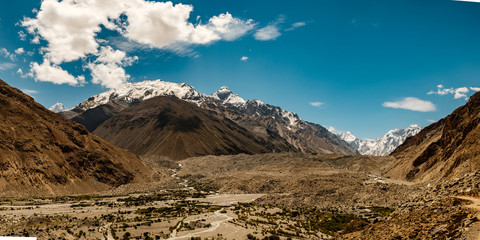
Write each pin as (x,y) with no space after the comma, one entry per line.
(22,36)
(160,24)
(457,93)
(70,29)
(48,72)
(19,51)
(316,104)
(244,59)
(5,53)
(108,69)
(411,103)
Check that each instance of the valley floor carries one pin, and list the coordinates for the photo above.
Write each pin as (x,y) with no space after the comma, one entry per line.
(269,196)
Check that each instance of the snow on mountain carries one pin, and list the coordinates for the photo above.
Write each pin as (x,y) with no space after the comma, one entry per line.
(382,146)
(139,91)
(347,137)
(58,107)
(225,95)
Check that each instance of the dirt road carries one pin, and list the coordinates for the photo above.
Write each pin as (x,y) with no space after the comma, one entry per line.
(474,232)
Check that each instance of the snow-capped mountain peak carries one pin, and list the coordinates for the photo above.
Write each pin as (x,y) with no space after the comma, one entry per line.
(347,137)
(382,146)
(58,107)
(225,95)
(139,91)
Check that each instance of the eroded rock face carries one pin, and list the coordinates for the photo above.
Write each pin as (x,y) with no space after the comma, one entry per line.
(42,153)
(446,149)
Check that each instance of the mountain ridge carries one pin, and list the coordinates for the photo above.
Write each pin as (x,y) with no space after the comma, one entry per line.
(269,122)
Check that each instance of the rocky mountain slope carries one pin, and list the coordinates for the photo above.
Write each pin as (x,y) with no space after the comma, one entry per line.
(167,126)
(447,149)
(270,123)
(382,146)
(42,153)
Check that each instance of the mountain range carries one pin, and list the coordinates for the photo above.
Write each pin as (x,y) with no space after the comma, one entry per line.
(275,128)
(382,146)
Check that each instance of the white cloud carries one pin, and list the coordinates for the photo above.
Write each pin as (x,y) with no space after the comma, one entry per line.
(48,72)
(228,27)
(431,121)
(29,91)
(332,129)
(5,53)
(108,69)
(244,59)
(475,89)
(295,26)
(22,36)
(110,56)
(70,29)
(316,104)
(461,93)
(6,66)
(457,93)
(411,103)
(473,1)
(270,32)
(19,51)
(108,75)
(160,24)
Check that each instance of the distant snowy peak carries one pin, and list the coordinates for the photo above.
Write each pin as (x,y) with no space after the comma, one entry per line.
(382,146)
(347,137)
(140,91)
(225,95)
(58,107)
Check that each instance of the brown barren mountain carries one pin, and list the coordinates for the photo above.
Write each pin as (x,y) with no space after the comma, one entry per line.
(446,149)
(167,126)
(42,153)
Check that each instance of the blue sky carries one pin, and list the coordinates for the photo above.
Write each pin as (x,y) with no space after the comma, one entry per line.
(362,66)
